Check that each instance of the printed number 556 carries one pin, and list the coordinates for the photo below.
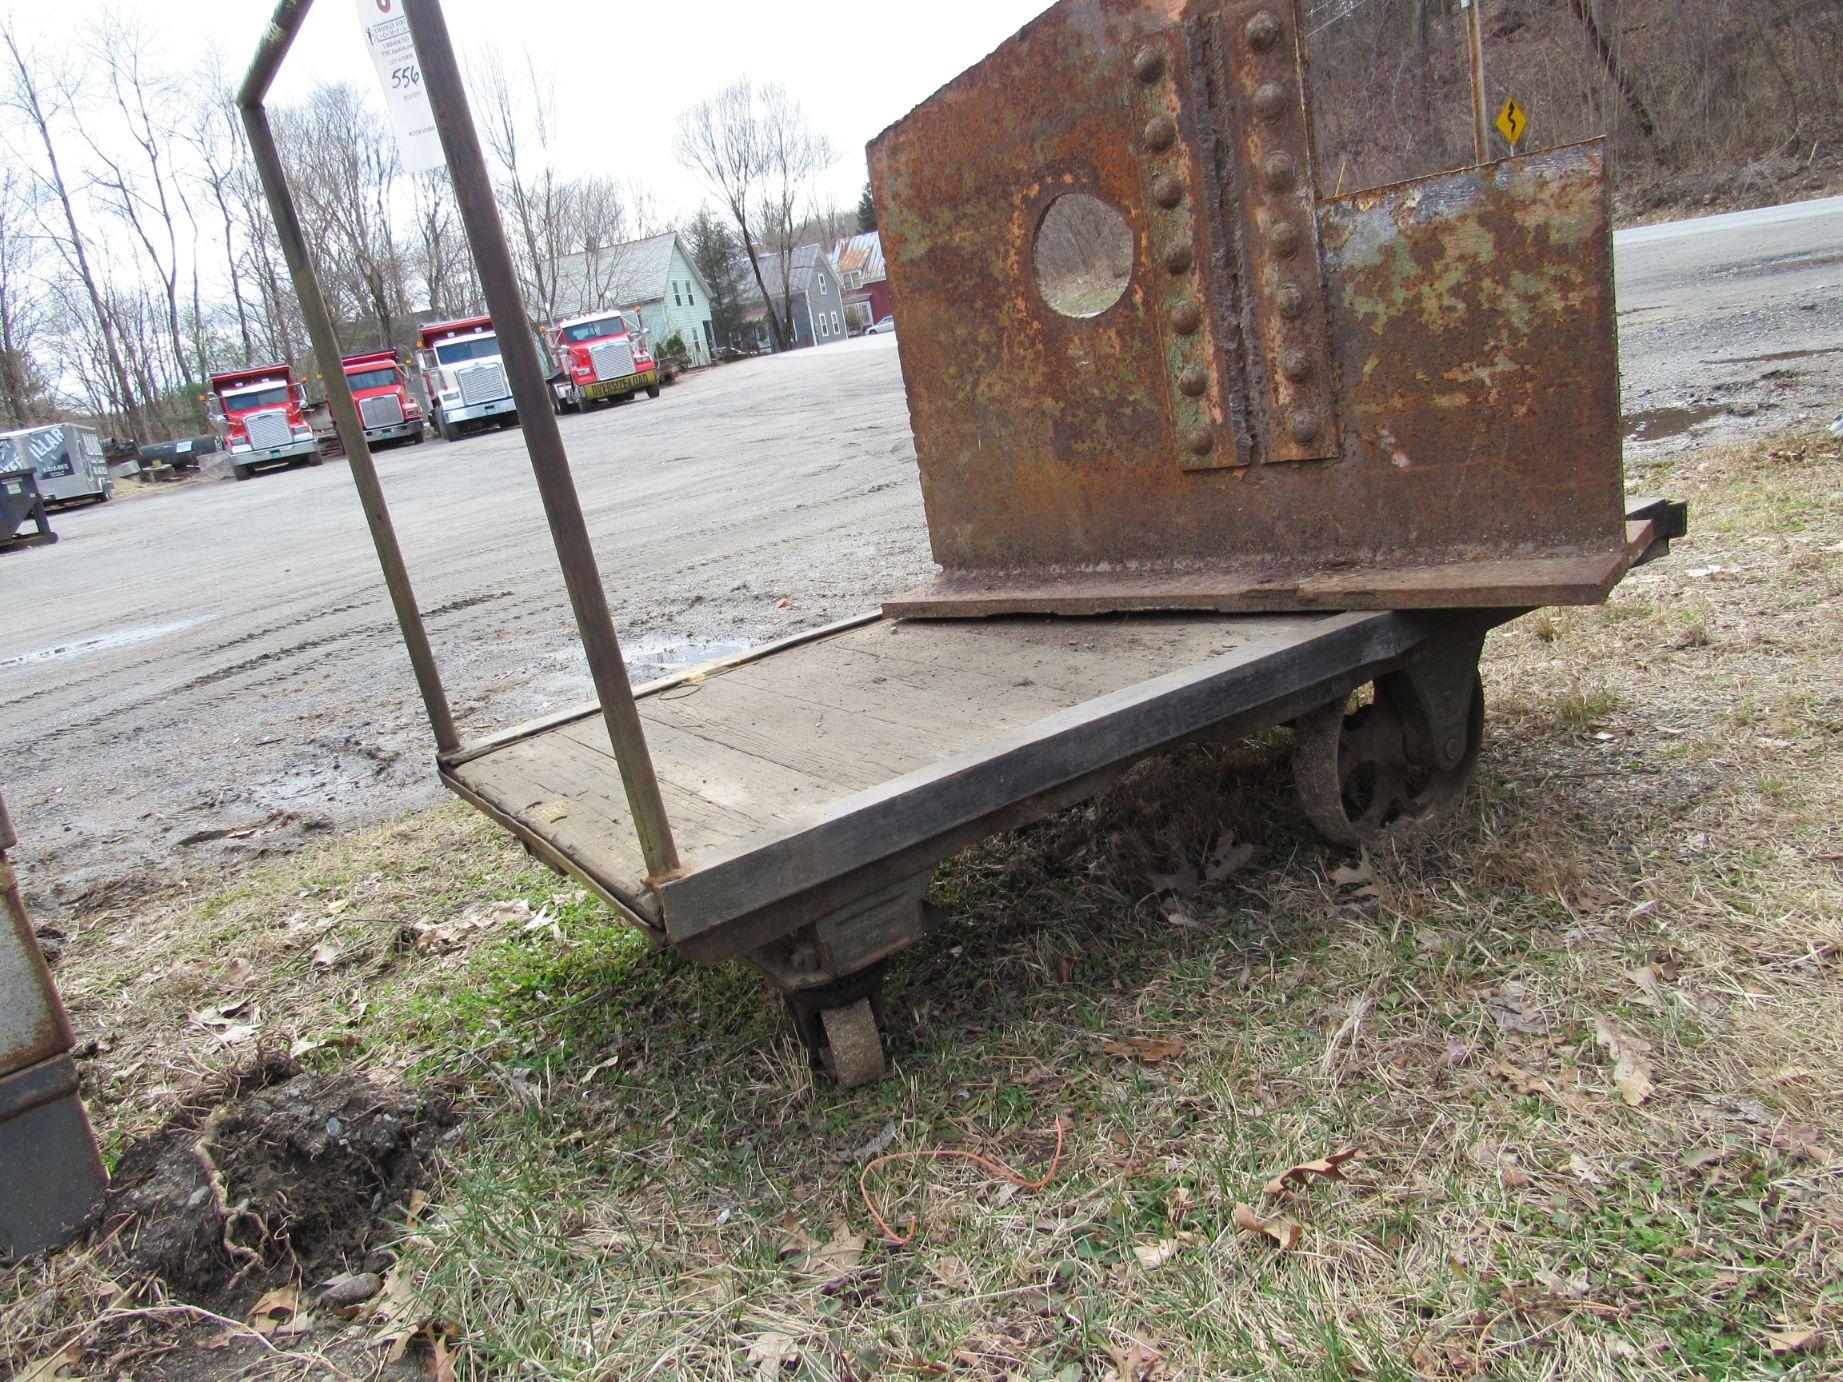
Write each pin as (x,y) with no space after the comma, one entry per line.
(402,77)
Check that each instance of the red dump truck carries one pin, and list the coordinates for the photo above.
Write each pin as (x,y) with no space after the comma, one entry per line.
(380,386)
(604,358)
(260,417)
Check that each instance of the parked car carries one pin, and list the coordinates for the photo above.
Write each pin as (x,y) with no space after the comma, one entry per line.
(885,327)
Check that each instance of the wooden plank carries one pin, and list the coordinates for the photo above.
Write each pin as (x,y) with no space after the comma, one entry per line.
(591,709)
(858,830)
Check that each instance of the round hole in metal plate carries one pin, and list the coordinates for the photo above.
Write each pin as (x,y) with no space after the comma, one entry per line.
(1084,255)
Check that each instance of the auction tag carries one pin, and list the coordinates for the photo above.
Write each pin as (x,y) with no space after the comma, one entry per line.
(393,53)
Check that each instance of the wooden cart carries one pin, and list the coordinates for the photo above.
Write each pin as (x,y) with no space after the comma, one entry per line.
(813,785)
(788,807)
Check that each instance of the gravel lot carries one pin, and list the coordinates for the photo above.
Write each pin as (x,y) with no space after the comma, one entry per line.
(211,673)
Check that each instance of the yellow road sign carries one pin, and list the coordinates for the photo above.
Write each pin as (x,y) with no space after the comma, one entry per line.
(1512,123)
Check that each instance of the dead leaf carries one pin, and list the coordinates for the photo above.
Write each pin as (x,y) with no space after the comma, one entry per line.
(1509,1009)
(783,604)
(1527,1082)
(840,1255)
(1226,858)
(333,909)
(1631,1066)
(1576,1287)
(441,1357)
(1284,1231)
(772,1352)
(1148,1050)
(53,1365)
(223,1339)
(1182,880)
(276,1308)
(1135,1362)
(1154,1255)
(1350,875)
(1179,915)
(239,971)
(1327,1168)
(1791,1340)
(326,954)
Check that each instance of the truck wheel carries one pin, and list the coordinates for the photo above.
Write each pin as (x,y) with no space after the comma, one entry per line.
(318,458)
(652,391)
(243,472)
(450,433)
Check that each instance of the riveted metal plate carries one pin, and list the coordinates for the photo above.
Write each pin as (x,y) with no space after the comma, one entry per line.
(1455,337)
(1199,337)
(1267,133)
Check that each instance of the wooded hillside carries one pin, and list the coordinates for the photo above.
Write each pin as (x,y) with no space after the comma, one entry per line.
(1743,98)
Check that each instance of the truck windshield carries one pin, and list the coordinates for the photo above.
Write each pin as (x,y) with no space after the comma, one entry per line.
(458,352)
(594,331)
(361,380)
(256,398)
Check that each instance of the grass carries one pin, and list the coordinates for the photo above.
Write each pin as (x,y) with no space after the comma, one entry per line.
(650,1184)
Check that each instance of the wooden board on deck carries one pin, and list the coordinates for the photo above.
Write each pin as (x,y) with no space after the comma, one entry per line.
(765,763)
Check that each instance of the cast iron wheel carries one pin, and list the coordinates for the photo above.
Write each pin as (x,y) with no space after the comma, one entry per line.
(1357,783)
(854,1046)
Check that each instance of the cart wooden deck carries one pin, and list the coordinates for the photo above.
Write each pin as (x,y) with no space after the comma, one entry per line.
(809,775)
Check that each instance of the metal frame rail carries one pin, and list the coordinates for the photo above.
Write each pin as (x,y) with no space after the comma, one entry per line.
(530,390)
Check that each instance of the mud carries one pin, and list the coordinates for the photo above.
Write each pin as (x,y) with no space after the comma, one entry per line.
(270,1175)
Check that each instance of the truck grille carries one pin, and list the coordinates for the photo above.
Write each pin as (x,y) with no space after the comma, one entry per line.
(482,383)
(612,359)
(384,410)
(268,429)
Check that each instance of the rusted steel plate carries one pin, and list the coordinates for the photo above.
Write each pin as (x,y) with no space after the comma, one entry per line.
(1459,346)
(53,1174)
(1267,135)
(33,1027)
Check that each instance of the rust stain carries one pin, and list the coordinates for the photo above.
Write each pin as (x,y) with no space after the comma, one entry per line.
(1435,360)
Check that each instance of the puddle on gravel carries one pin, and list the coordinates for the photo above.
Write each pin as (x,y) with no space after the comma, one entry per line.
(1660,424)
(1779,356)
(657,655)
(121,638)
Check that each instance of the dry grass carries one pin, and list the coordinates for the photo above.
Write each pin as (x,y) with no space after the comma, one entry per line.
(651,1186)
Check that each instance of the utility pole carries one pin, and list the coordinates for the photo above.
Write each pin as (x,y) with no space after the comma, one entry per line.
(1475,41)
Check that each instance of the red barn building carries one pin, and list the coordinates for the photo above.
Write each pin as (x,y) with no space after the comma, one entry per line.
(860,270)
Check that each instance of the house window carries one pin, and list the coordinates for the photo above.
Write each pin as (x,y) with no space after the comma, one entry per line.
(691,298)
(835,323)
(822,325)
(822,285)
(677,301)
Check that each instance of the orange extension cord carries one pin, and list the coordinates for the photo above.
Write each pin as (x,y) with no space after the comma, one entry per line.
(940,1153)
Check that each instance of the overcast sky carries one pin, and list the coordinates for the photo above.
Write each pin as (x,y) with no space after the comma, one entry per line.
(624,70)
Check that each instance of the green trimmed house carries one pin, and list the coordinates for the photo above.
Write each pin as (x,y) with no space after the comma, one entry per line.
(653,277)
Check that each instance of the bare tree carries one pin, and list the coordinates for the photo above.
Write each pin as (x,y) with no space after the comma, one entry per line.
(344,166)
(793,157)
(22,304)
(518,120)
(39,103)
(438,251)
(721,139)
(139,191)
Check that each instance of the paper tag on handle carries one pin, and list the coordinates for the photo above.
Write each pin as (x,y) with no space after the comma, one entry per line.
(393,53)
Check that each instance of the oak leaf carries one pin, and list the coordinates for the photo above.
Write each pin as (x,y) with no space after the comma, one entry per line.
(1284,1231)
(1326,1168)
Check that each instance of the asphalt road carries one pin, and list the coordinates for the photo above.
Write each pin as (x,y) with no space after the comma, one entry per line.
(1731,322)
(197,677)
